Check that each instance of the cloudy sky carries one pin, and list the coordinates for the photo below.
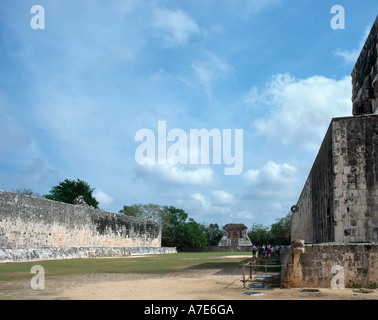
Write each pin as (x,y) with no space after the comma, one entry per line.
(74,95)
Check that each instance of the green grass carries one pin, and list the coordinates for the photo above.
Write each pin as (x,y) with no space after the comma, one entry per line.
(164,263)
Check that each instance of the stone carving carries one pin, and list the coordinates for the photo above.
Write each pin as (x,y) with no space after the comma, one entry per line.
(79,200)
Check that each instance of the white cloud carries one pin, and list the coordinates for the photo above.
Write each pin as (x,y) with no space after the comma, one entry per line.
(243,215)
(222,197)
(176,25)
(103,198)
(176,174)
(203,200)
(270,180)
(209,70)
(300,110)
(204,204)
(351,56)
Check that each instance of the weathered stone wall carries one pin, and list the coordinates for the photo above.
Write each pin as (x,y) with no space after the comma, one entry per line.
(314,267)
(365,76)
(217,249)
(37,254)
(322,181)
(29,222)
(339,201)
(313,220)
(301,221)
(355,157)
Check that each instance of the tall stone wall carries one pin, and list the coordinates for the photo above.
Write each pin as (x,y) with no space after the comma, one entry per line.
(316,266)
(355,159)
(339,201)
(365,76)
(338,206)
(29,222)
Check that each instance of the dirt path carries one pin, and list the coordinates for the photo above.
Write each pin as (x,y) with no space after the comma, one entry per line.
(192,285)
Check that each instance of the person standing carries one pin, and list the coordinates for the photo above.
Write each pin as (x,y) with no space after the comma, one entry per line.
(261,253)
(268,251)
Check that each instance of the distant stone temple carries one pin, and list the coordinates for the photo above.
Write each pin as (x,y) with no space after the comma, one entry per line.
(235,235)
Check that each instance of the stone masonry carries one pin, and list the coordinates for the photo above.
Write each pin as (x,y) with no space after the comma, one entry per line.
(335,221)
(339,202)
(365,76)
(30,223)
(316,265)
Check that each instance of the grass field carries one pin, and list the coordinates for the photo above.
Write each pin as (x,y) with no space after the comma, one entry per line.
(163,264)
(190,276)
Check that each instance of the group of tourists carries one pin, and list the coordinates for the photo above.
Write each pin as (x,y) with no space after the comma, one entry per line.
(265,251)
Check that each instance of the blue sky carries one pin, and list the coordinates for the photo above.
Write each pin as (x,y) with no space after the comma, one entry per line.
(74,95)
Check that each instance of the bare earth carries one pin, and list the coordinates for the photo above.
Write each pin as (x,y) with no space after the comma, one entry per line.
(181,285)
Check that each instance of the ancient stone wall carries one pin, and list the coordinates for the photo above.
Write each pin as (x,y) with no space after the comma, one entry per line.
(355,156)
(217,249)
(322,179)
(29,222)
(339,201)
(320,263)
(38,254)
(338,206)
(365,76)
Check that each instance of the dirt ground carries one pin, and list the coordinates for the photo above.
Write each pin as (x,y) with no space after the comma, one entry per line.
(181,285)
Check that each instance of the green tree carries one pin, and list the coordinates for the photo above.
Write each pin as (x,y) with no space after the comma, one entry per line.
(213,234)
(178,232)
(173,220)
(194,234)
(278,233)
(68,190)
(27,192)
(259,234)
(144,211)
(281,230)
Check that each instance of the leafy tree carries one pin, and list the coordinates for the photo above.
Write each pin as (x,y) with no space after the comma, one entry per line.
(173,220)
(68,190)
(144,211)
(27,192)
(278,233)
(213,234)
(194,234)
(281,230)
(259,234)
(178,232)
